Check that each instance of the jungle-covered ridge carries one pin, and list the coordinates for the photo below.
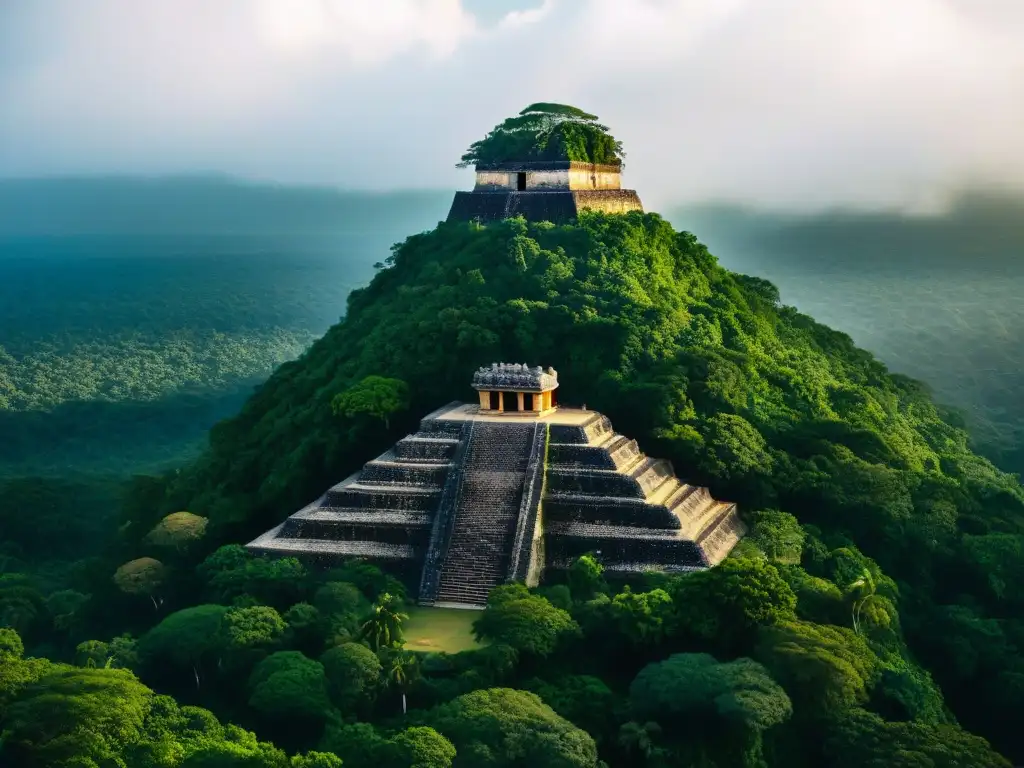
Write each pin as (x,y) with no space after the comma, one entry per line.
(135,313)
(868,619)
(934,296)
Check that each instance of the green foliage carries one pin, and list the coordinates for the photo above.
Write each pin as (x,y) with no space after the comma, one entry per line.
(691,691)
(304,628)
(826,669)
(119,653)
(864,740)
(767,407)
(142,576)
(353,675)
(177,530)
(343,608)
(687,685)
(185,640)
(422,747)
(369,578)
(288,686)
(383,628)
(581,699)
(256,629)
(731,601)
(735,449)
(817,599)
(120,364)
(375,396)
(524,621)
(358,744)
(643,617)
(16,672)
(231,572)
(75,713)
(67,716)
(586,578)
(907,692)
(503,727)
(45,517)
(778,535)
(546,132)
(11,646)
(316,760)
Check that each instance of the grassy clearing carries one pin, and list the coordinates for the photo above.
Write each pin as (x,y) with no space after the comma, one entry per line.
(439,629)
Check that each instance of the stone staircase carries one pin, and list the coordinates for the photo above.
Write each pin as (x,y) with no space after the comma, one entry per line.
(486,512)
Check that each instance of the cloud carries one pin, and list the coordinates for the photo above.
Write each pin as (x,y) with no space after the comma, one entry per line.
(776,103)
(526,16)
(364,32)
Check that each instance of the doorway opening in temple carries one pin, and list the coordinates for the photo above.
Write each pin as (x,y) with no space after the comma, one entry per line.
(521,181)
(495,400)
(528,401)
(511,401)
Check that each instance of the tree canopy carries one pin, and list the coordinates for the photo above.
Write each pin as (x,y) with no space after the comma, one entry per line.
(545,131)
(876,584)
(504,727)
(525,621)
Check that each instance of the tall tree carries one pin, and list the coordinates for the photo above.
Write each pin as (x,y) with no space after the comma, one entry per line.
(376,396)
(383,628)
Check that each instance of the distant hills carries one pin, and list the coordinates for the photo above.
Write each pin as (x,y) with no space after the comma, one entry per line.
(206,205)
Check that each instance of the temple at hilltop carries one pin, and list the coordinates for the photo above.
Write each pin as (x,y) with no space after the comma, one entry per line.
(503,489)
(554,190)
(550,162)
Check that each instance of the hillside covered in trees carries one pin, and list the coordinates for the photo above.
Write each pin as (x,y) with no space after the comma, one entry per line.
(869,619)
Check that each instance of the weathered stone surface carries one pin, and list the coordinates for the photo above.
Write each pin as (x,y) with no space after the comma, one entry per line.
(476,498)
(554,206)
(514,377)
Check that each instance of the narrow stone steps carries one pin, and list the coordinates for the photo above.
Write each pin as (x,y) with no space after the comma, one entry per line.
(484,523)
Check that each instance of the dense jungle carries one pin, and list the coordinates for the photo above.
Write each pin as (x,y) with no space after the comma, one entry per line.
(868,619)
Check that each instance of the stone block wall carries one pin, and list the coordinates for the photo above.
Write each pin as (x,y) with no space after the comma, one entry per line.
(557,206)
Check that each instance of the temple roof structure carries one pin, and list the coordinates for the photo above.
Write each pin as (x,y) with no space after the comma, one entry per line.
(515,377)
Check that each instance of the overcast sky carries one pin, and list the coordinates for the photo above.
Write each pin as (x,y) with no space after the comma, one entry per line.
(778,103)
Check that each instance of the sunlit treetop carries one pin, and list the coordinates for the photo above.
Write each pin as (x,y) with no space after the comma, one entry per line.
(545,131)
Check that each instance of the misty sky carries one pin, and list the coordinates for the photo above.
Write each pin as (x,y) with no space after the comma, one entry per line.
(778,103)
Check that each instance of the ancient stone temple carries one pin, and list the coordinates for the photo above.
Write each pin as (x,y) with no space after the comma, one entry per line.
(502,489)
(553,191)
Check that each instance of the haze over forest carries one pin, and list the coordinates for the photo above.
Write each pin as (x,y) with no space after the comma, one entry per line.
(226,284)
(775,104)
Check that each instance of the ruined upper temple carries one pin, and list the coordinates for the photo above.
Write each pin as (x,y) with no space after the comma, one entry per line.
(502,489)
(548,163)
(553,190)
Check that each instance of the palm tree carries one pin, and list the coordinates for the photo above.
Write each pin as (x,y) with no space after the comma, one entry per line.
(384,626)
(401,667)
(860,591)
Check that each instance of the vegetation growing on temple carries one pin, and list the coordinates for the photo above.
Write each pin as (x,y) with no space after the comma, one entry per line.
(546,132)
(868,619)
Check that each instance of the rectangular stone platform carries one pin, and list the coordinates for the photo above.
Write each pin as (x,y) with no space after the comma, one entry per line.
(557,207)
(467,412)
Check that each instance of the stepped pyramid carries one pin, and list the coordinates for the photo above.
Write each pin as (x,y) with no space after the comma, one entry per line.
(500,490)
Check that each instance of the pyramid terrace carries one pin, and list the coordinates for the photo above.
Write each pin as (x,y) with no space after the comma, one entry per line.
(502,489)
